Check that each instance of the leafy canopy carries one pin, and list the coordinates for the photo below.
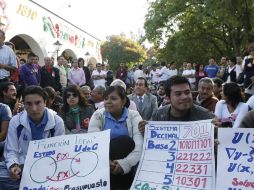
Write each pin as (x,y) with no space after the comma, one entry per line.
(119,49)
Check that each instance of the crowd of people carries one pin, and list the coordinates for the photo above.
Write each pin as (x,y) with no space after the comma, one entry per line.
(56,99)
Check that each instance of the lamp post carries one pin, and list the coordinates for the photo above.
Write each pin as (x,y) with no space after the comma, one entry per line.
(57,44)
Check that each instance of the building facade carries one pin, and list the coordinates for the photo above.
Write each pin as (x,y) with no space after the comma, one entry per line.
(33,28)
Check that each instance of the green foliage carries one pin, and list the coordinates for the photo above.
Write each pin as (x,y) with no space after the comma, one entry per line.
(119,49)
(197,29)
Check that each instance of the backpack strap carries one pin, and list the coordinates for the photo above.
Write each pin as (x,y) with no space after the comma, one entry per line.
(19,130)
(52,132)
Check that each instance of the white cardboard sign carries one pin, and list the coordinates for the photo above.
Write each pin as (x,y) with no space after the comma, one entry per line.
(235,169)
(177,156)
(68,162)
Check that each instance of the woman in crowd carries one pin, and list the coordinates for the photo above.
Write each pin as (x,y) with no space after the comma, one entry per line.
(81,64)
(54,101)
(125,139)
(231,73)
(231,109)
(76,112)
(119,82)
(200,73)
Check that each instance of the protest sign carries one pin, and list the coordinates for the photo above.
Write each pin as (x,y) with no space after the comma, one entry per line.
(235,167)
(177,155)
(68,162)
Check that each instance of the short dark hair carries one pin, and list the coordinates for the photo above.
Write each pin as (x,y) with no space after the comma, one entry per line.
(120,91)
(218,82)
(175,80)
(163,63)
(31,54)
(233,93)
(161,84)
(50,91)
(142,78)
(81,59)
(23,60)
(5,86)
(35,90)
(233,59)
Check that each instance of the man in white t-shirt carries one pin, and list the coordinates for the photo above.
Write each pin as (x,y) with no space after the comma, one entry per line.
(172,69)
(164,72)
(155,74)
(99,76)
(189,73)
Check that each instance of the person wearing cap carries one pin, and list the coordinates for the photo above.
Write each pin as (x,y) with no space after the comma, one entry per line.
(99,76)
(119,82)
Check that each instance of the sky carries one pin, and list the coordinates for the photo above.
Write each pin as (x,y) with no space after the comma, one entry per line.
(101,18)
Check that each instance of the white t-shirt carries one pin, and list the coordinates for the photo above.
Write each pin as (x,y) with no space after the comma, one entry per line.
(100,82)
(155,75)
(221,111)
(189,72)
(172,72)
(164,73)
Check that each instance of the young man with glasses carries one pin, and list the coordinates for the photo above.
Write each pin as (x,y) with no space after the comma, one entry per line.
(34,123)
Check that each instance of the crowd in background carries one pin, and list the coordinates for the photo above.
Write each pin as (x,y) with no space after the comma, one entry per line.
(88,99)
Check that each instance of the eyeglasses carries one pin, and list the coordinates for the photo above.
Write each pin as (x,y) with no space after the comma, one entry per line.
(74,95)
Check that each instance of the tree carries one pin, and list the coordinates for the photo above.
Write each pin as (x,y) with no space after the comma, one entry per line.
(197,29)
(119,49)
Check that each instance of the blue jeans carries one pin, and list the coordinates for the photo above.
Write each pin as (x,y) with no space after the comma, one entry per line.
(6,183)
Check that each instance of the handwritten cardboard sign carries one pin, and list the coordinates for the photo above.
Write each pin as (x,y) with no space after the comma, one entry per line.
(68,162)
(177,155)
(235,168)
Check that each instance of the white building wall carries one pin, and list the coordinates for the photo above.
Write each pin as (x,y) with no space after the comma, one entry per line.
(41,29)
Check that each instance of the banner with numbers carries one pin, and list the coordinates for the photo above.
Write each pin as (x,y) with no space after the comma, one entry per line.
(235,169)
(177,155)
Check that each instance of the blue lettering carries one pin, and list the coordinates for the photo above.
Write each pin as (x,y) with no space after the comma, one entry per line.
(151,145)
(231,152)
(237,138)
(153,134)
(171,167)
(43,154)
(85,148)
